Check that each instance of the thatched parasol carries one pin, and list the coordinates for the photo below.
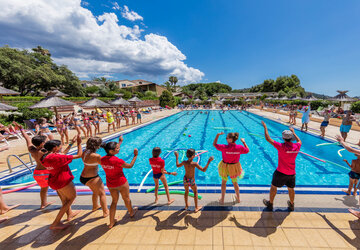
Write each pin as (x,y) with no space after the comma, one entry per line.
(57,93)
(342,97)
(218,102)
(185,100)
(120,101)
(197,100)
(284,98)
(135,99)
(5,91)
(235,100)
(4,107)
(209,100)
(310,98)
(94,103)
(52,102)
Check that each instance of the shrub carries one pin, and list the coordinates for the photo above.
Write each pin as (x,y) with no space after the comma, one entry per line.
(167,98)
(355,107)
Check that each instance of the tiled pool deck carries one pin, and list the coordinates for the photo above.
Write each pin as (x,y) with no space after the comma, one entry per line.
(319,222)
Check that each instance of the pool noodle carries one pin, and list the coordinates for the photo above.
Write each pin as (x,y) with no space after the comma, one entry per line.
(183,155)
(18,189)
(161,186)
(142,182)
(262,135)
(312,156)
(179,192)
(18,185)
(222,128)
(327,143)
(337,165)
(340,151)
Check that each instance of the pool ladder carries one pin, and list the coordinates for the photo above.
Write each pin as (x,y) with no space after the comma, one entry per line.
(22,162)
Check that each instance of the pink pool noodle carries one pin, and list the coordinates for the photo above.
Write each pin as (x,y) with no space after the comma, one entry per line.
(312,156)
(18,189)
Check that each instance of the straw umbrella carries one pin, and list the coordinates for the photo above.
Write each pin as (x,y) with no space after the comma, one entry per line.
(52,102)
(135,99)
(94,103)
(342,97)
(218,102)
(5,107)
(197,100)
(185,100)
(57,93)
(120,101)
(5,91)
(284,98)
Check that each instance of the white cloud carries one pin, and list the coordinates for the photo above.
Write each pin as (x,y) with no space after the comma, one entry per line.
(116,6)
(90,44)
(130,15)
(218,81)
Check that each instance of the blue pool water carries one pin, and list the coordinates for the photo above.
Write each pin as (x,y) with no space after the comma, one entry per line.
(259,164)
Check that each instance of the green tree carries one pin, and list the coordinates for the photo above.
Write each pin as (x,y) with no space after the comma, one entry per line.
(31,72)
(167,98)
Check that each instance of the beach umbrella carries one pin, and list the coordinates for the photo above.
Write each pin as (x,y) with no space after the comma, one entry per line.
(185,100)
(52,102)
(235,100)
(343,97)
(5,91)
(269,98)
(295,98)
(284,98)
(94,103)
(248,100)
(223,99)
(120,101)
(57,93)
(209,100)
(135,99)
(197,100)
(5,107)
(218,102)
(310,98)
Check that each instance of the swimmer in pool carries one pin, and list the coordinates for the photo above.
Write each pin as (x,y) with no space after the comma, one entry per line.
(189,178)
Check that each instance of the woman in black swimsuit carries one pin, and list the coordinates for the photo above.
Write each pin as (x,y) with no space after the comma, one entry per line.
(90,177)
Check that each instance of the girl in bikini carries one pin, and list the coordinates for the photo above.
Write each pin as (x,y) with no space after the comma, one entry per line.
(90,177)
(132,113)
(115,178)
(126,116)
(60,127)
(77,123)
(42,128)
(60,178)
(96,122)
(87,124)
(118,117)
(230,165)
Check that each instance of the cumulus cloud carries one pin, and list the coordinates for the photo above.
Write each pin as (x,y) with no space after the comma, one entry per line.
(130,15)
(91,44)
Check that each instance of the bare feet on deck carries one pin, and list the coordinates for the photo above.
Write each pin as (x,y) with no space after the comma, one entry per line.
(156,200)
(221,202)
(111,225)
(47,204)
(345,191)
(96,208)
(235,199)
(59,226)
(9,208)
(134,210)
(170,201)
(197,209)
(106,214)
(73,215)
(355,213)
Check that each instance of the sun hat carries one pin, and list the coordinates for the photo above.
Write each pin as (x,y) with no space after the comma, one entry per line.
(287,134)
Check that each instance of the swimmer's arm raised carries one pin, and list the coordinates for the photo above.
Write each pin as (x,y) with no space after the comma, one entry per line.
(177,160)
(350,149)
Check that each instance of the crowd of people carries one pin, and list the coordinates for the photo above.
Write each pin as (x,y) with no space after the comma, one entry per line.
(52,167)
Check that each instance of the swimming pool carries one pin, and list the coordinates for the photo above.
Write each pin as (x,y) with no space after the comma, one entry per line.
(173,132)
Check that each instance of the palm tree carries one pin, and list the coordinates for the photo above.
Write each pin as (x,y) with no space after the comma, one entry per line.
(173,80)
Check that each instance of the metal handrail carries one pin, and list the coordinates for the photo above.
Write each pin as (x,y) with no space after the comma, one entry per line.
(23,163)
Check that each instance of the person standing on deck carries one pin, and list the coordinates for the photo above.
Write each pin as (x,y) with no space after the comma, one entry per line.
(285,172)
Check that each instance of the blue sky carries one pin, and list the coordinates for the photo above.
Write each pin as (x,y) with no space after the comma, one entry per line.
(240,43)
